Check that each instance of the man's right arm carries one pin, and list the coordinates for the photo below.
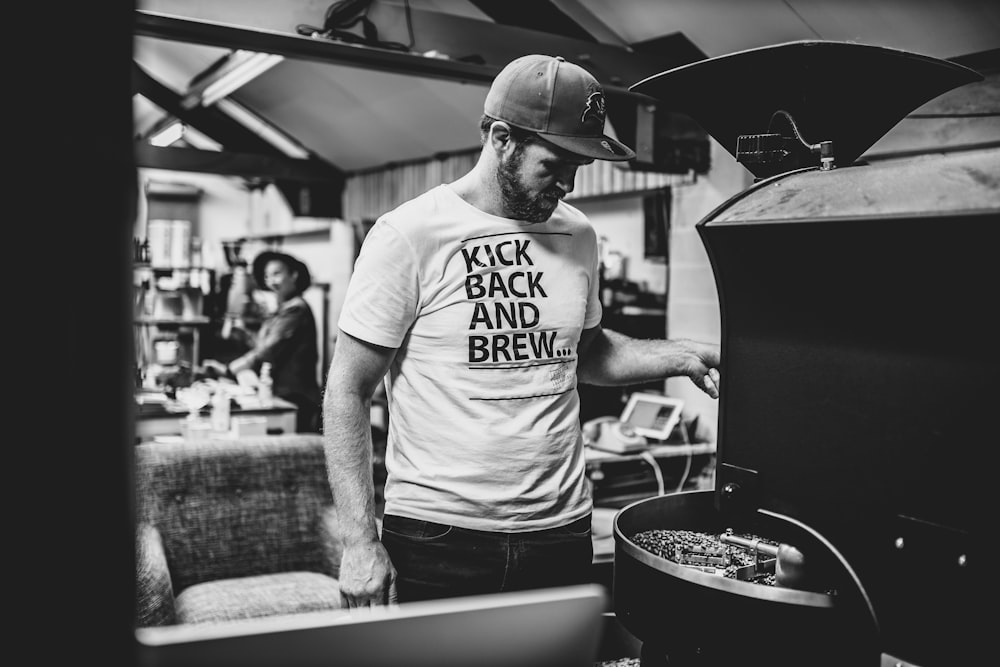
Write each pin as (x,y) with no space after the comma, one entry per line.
(366,573)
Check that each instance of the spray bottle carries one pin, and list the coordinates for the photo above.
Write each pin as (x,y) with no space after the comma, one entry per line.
(220,410)
(265,389)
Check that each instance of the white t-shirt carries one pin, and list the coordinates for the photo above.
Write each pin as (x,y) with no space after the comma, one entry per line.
(487,314)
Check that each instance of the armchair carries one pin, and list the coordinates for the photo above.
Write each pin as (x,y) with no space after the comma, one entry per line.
(234,529)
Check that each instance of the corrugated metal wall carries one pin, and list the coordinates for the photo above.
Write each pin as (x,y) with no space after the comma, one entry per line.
(369,194)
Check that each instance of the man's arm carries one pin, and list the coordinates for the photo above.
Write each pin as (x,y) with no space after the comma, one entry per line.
(366,573)
(608,358)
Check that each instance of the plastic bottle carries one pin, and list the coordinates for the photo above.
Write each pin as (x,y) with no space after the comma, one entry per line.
(265,390)
(220,411)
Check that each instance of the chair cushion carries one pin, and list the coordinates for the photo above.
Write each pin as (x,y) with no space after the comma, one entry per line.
(256,596)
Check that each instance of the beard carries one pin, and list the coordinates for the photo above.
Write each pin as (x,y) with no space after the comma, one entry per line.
(518,201)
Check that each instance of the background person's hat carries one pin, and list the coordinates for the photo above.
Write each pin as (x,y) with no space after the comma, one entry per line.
(303,281)
(559,101)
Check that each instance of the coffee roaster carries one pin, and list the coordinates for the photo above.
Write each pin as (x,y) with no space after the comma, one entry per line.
(858,372)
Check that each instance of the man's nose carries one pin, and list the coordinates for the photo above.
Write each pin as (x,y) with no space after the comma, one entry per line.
(567,180)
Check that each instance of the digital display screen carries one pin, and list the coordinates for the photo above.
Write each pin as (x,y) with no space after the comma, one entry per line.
(652,415)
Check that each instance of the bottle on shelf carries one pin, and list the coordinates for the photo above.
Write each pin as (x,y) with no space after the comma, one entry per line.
(220,410)
(265,389)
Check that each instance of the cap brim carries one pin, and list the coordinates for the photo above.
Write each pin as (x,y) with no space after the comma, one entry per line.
(598,148)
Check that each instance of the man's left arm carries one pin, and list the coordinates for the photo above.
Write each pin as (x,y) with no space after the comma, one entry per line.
(608,358)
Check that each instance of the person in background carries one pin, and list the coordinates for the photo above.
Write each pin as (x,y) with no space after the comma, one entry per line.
(286,339)
(478,302)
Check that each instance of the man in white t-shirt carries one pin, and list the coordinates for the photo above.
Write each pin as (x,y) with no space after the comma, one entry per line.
(478,303)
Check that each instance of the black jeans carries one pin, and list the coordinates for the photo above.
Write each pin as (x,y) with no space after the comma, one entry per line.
(435,560)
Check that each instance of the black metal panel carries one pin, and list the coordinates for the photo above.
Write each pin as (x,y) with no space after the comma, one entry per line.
(860,385)
(857,326)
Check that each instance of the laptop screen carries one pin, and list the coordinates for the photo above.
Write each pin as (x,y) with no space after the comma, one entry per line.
(555,627)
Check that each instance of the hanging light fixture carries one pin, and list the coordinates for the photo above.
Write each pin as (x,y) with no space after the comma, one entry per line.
(168,135)
(176,130)
(241,68)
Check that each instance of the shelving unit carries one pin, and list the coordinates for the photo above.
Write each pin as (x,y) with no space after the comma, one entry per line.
(170,304)
(190,326)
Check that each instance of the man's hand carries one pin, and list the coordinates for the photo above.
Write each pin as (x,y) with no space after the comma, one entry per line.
(247,378)
(366,575)
(703,366)
(710,382)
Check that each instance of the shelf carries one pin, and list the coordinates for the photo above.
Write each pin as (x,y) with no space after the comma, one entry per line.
(595,455)
(169,269)
(190,321)
(642,310)
(315,229)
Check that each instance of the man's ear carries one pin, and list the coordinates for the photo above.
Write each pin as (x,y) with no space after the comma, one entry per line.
(499,137)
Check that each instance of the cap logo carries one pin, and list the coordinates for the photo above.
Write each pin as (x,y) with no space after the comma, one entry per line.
(595,107)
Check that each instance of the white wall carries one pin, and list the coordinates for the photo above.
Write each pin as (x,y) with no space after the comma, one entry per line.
(621,222)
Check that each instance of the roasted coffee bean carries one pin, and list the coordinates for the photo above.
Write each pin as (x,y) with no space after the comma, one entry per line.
(695,549)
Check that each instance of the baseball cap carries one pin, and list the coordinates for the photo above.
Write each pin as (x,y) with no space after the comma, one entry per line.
(557,100)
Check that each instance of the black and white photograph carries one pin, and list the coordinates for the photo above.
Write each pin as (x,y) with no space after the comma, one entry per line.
(563,333)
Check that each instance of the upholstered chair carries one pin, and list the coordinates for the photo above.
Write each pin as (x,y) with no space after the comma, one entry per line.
(230,529)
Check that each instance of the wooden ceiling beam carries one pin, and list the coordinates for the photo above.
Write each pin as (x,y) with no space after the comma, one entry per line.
(208,120)
(311,187)
(229,163)
(478,49)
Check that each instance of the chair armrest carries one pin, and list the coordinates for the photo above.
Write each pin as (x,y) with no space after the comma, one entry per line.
(154,589)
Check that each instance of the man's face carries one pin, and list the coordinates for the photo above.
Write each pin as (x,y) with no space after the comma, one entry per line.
(534,176)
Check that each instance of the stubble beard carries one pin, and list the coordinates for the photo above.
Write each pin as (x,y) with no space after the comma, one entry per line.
(518,203)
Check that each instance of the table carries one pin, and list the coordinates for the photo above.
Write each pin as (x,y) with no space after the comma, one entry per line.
(596,456)
(279,418)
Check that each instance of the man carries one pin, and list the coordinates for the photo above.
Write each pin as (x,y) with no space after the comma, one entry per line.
(478,302)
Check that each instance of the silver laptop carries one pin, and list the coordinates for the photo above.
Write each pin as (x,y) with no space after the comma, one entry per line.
(554,627)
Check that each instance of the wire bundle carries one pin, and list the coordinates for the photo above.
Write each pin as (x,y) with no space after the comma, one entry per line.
(343,16)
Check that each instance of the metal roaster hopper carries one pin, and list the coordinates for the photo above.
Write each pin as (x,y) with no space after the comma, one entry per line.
(858,378)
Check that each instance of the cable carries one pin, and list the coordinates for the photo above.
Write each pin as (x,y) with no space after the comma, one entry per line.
(804,22)
(795,128)
(682,426)
(687,471)
(341,16)
(648,458)
(409,25)
(824,148)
